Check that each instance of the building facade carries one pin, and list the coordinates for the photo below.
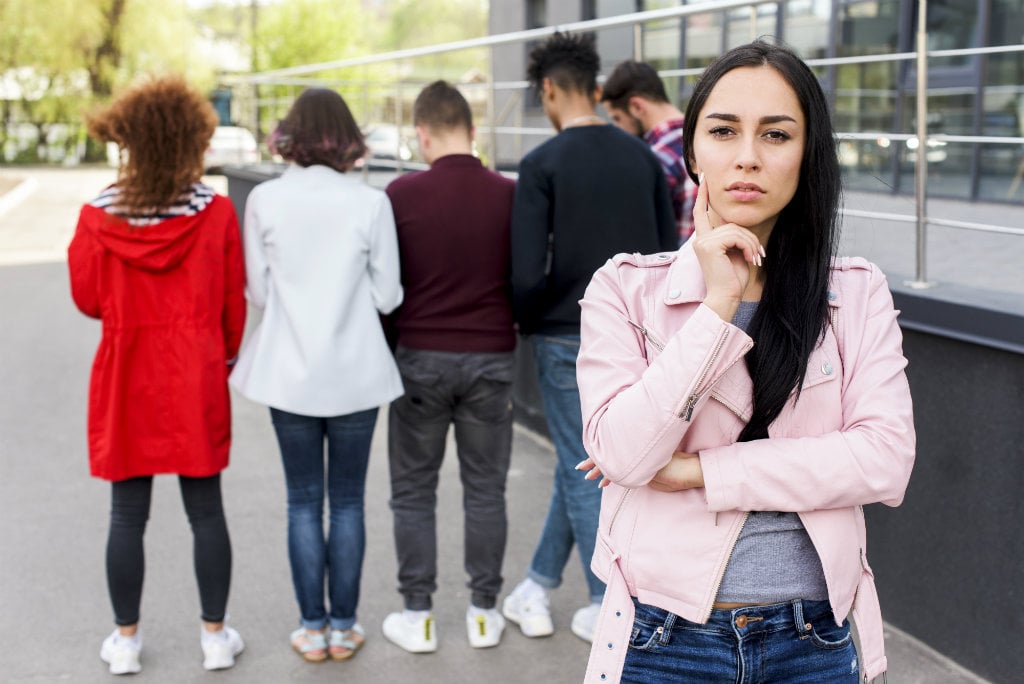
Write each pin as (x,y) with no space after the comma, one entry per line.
(873,102)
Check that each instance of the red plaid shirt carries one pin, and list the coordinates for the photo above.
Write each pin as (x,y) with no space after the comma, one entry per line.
(666,141)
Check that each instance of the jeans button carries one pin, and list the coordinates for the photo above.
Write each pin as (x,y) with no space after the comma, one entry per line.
(741,621)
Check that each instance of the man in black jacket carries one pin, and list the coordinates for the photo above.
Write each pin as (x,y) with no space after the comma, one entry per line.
(588,193)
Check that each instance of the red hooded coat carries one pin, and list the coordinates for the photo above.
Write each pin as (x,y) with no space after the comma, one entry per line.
(171,299)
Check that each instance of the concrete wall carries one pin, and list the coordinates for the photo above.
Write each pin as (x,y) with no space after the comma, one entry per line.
(948,561)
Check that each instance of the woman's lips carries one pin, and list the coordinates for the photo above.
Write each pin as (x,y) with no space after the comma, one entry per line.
(745,192)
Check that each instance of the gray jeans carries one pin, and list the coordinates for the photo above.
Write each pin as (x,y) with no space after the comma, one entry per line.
(473,391)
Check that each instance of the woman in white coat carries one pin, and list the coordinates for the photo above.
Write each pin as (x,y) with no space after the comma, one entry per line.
(321,262)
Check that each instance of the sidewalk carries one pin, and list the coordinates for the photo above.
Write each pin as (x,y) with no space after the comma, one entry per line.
(53,521)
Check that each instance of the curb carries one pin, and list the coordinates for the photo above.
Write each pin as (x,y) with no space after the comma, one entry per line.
(19,194)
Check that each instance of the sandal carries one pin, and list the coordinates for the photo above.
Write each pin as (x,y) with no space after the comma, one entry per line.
(312,646)
(345,642)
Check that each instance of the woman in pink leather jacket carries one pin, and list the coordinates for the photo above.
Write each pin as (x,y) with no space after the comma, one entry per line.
(742,399)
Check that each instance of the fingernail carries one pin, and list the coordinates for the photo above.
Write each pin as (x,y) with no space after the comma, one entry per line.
(700,178)
(580,464)
(604,483)
(761,249)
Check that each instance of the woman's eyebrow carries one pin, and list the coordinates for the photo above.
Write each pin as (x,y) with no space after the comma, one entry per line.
(775,118)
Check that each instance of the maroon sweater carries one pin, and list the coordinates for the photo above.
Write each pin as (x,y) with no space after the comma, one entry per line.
(453,238)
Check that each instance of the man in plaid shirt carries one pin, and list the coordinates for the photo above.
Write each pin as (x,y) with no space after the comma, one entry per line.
(636,101)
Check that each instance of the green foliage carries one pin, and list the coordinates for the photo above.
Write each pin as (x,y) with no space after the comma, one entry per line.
(307,31)
(65,56)
(415,23)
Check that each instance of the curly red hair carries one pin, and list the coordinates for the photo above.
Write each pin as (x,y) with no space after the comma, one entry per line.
(165,126)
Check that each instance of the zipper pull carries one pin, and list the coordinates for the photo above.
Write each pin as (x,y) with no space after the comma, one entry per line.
(691,403)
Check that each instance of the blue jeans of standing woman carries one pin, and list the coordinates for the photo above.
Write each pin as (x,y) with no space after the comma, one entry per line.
(575,502)
(338,557)
(796,642)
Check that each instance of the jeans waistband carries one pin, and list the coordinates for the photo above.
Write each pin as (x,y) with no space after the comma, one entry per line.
(797,613)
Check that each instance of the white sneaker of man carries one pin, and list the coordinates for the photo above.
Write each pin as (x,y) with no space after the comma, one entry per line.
(220,647)
(122,653)
(412,630)
(584,621)
(484,626)
(527,606)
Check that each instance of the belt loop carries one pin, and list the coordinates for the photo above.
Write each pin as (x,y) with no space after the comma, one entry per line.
(798,617)
(670,622)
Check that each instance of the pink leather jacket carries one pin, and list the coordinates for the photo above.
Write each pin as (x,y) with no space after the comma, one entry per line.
(659,372)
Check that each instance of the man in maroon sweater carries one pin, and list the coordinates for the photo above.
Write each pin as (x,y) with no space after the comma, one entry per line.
(455,352)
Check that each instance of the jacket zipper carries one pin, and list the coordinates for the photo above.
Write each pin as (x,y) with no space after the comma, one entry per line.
(648,334)
(618,508)
(721,569)
(691,402)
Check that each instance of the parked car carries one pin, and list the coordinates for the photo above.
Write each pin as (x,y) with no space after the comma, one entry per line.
(231,145)
(387,143)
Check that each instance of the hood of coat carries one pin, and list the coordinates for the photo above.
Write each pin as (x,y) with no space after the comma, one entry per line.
(156,247)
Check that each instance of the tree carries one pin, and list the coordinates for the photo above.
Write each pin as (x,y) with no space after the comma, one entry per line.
(298,32)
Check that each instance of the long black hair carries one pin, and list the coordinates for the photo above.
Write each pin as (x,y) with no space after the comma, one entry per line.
(793,313)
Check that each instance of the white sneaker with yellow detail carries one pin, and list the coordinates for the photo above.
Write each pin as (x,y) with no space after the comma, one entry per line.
(412,630)
(484,626)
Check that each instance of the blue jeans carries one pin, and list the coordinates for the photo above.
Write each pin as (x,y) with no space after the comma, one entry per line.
(797,642)
(339,558)
(575,502)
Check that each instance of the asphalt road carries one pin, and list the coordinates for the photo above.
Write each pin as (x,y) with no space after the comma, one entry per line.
(53,517)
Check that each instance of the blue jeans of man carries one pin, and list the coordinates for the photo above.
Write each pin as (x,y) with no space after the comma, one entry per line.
(338,558)
(575,502)
(796,642)
(473,391)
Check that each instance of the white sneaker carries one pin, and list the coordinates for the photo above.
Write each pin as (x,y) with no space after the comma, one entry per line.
(484,627)
(527,606)
(122,653)
(584,621)
(220,648)
(412,630)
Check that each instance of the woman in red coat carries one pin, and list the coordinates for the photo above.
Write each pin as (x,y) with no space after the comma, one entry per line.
(157,258)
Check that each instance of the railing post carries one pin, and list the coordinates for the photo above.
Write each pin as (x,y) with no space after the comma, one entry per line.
(398,126)
(638,42)
(492,137)
(921,163)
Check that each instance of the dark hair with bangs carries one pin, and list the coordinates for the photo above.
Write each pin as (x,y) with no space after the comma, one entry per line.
(793,313)
(319,130)
(441,107)
(630,79)
(569,60)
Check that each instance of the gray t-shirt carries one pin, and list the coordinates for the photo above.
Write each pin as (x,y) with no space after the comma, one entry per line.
(774,559)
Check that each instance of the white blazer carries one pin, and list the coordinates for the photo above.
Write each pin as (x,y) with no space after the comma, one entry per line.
(321,260)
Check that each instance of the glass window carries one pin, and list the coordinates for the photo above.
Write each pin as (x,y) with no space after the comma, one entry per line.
(749,23)
(868,28)
(536,17)
(949,164)
(703,39)
(1007,26)
(952,25)
(536,13)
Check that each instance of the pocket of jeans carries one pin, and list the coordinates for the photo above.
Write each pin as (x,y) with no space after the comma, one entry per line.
(647,635)
(827,635)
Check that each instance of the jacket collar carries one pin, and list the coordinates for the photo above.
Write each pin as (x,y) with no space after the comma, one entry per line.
(685,283)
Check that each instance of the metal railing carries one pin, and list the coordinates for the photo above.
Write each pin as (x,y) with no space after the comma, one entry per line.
(298,76)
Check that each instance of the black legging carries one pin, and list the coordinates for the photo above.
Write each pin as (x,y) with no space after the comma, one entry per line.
(211,547)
